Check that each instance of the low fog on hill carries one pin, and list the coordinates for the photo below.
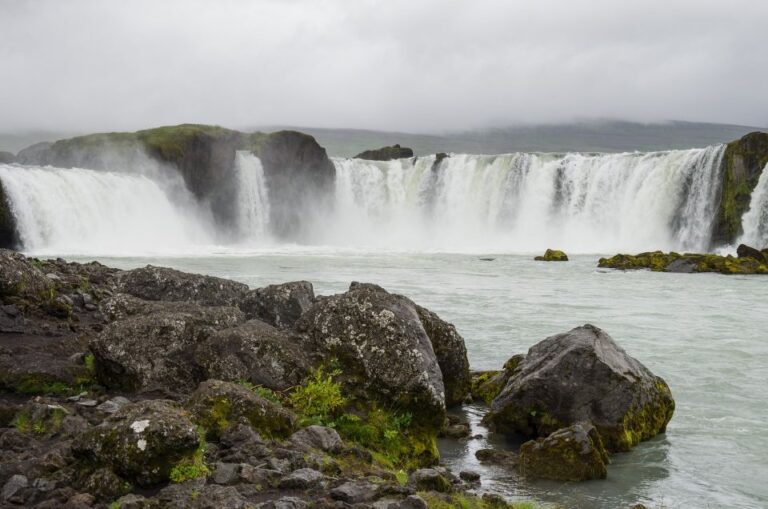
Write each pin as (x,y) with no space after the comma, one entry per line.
(419,67)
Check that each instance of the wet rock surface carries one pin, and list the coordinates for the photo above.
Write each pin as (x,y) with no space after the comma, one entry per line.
(164,389)
(658,261)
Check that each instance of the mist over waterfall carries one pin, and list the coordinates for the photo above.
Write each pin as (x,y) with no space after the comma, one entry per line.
(521,202)
(527,202)
(755,220)
(253,198)
(96,212)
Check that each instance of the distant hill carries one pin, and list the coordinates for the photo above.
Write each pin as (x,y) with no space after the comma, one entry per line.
(597,136)
(608,136)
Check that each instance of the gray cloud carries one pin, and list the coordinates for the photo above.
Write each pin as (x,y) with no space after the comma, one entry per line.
(396,64)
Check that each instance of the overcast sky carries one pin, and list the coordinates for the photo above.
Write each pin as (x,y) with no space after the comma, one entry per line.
(407,65)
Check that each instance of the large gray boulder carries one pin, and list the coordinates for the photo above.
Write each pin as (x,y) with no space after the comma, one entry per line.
(381,343)
(583,375)
(451,354)
(150,346)
(256,352)
(279,305)
(141,442)
(162,283)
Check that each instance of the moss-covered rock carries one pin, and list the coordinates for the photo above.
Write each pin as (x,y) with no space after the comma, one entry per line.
(383,352)
(743,162)
(486,385)
(141,442)
(575,453)
(40,417)
(583,376)
(689,262)
(218,405)
(552,255)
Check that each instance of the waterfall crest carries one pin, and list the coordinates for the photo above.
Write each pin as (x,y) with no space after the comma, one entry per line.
(755,220)
(77,211)
(527,202)
(253,198)
(521,202)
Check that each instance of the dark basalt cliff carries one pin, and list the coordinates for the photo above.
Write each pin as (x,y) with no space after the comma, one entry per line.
(297,168)
(743,162)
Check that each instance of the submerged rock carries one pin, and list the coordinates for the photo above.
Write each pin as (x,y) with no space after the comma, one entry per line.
(142,441)
(386,153)
(552,255)
(574,453)
(583,375)
(381,343)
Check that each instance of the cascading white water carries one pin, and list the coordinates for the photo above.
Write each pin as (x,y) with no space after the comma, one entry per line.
(527,202)
(253,198)
(755,220)
(71,211)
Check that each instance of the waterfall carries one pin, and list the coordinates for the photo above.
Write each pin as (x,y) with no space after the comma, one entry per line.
(253,198)
(77,211)
(755,220)
(522,202)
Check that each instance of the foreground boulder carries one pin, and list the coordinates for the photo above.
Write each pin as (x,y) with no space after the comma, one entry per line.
(574,453)
(386,153)
(218,405)
(279,305)
(162,283)
(141,442)
(583,375)
(552,255)
(451,354)
(381,342)
(255,352)
(150,346)
(685,263)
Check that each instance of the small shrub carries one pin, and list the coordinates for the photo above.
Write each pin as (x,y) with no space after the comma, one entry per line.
(318,398)
(193,467)
(261,391)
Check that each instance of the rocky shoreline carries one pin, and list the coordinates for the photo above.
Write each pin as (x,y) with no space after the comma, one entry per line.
(748,261)
(152,388)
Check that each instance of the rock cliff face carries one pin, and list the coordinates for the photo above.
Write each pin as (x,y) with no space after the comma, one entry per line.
(300,179)
(743,162)
(298,171)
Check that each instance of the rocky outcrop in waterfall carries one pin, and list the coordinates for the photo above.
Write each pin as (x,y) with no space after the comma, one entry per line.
(386,153)
(299,178)
(9,235)
(743,162)
(298,171)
